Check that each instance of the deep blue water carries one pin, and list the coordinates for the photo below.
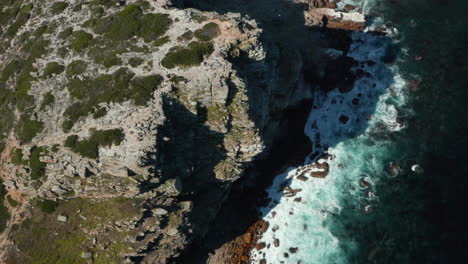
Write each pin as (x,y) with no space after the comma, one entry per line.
(412,111)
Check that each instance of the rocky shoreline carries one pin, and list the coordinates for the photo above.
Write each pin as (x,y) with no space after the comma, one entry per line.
(238,249)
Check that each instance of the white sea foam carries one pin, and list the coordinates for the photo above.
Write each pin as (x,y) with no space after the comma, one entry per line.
(309,225)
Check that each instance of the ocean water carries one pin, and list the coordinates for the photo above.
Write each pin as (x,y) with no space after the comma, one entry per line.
(375,205)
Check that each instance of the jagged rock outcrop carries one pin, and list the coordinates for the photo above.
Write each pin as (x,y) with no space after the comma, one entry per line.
(132,119)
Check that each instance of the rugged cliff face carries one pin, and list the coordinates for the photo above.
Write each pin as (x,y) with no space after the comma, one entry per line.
(124,123)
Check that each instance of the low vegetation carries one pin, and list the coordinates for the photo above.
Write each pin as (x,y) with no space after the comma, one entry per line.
(185,57)
(208,32)
(48,99)
(4,214)
(27,129)
(132,22)
(53,68)
(121,86)
(76,68)
(58,7)
(56,242)
(81,40)
(90,147)
(35,163)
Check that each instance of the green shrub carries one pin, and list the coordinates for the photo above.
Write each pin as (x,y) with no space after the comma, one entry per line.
(55,148)
(48,206)
(207,32)
(76,67)
(161,41)
(100,113)
(58,7)
(125,24)
(90,147)
(53,68)
(135,62)
(20,20)
(106,3)
(49,99)
(10,69)
(154,26)
(118,87)
(132,22)
(186,36)
(81,40)
(27,129)
(37,167)
(187,56)
(107,52)
(143,88)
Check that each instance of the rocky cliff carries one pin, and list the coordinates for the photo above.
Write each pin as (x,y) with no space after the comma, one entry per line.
(124,124)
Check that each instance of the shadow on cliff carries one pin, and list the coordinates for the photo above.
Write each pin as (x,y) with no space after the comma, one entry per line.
(284,37)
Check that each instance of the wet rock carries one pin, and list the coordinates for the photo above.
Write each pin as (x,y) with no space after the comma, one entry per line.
(298,199)
(302,178)
(417,168)
(276,242)
(263,261)
(328,17)
(248,238)
(260,246)
(348,7)
(293,250)
(364,183)
(344,119)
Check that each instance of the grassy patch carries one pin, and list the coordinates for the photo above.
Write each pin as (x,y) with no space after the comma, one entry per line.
(58,7)
(53,68)
(185,57)
(81,40)
(41,239)
(90,147)
(27,129)
(207,32)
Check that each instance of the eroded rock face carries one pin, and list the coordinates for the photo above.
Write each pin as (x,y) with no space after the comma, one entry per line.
(130,120)
(331,18)
(108,108)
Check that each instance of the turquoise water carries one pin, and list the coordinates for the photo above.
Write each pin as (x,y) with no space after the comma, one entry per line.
(409,112)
